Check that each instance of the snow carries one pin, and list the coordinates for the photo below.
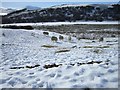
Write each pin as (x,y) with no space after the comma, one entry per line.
(62,23)
(24,47)
(69,5)
(2,14)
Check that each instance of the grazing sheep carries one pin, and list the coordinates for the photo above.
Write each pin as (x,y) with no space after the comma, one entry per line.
(61,37)
(45,33)
(101,39)
(53,38)
(3,34)
(32,34)
(69,38)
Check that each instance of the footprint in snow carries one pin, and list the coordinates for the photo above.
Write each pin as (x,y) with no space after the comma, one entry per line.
(31,73)
(82,71)
(38,79)
(111,71)
(104,81)
(51,75)
(15,81)
(41,84)
(76,74)
(31,77)
(2,81)
(66,77)
(114,80)
(58,75)
(73,80)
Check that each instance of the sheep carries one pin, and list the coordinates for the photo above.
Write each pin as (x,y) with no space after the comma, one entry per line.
(53,38)
(61,37)
(45,33)
(3,34)
(101,39)
(69,38)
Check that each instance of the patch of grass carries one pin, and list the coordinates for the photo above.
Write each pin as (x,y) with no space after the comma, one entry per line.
(48,46)
(61,51)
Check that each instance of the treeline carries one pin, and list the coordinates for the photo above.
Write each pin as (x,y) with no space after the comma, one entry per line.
(59,14)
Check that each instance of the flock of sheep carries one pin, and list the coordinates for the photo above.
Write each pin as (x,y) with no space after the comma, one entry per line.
(53,38)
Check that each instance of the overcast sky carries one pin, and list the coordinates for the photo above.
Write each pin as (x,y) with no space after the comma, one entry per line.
(18,4)
(60,0)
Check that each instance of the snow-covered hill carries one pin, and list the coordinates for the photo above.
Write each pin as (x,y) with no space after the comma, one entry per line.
(30,59)
(71,13)
(5,11)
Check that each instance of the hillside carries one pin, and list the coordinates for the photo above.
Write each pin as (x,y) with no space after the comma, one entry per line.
(94,12)
(30,59)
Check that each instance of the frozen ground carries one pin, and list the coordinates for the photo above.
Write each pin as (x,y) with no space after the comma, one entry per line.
(21,48)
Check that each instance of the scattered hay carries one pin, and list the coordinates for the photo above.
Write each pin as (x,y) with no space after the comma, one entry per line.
(97,51)
(51,66)
(64,50)
(16,67)
(78,64)
(103,47)
(74,46)
(88,47)
(96,46)
(30,67)
(48,46)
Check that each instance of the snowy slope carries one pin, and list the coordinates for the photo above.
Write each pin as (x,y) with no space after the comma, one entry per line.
(21,48)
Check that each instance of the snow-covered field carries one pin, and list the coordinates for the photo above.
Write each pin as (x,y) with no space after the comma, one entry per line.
(27,48)
(62,23)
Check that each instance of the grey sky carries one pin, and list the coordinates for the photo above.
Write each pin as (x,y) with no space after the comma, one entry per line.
(18,4)
(59,0)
